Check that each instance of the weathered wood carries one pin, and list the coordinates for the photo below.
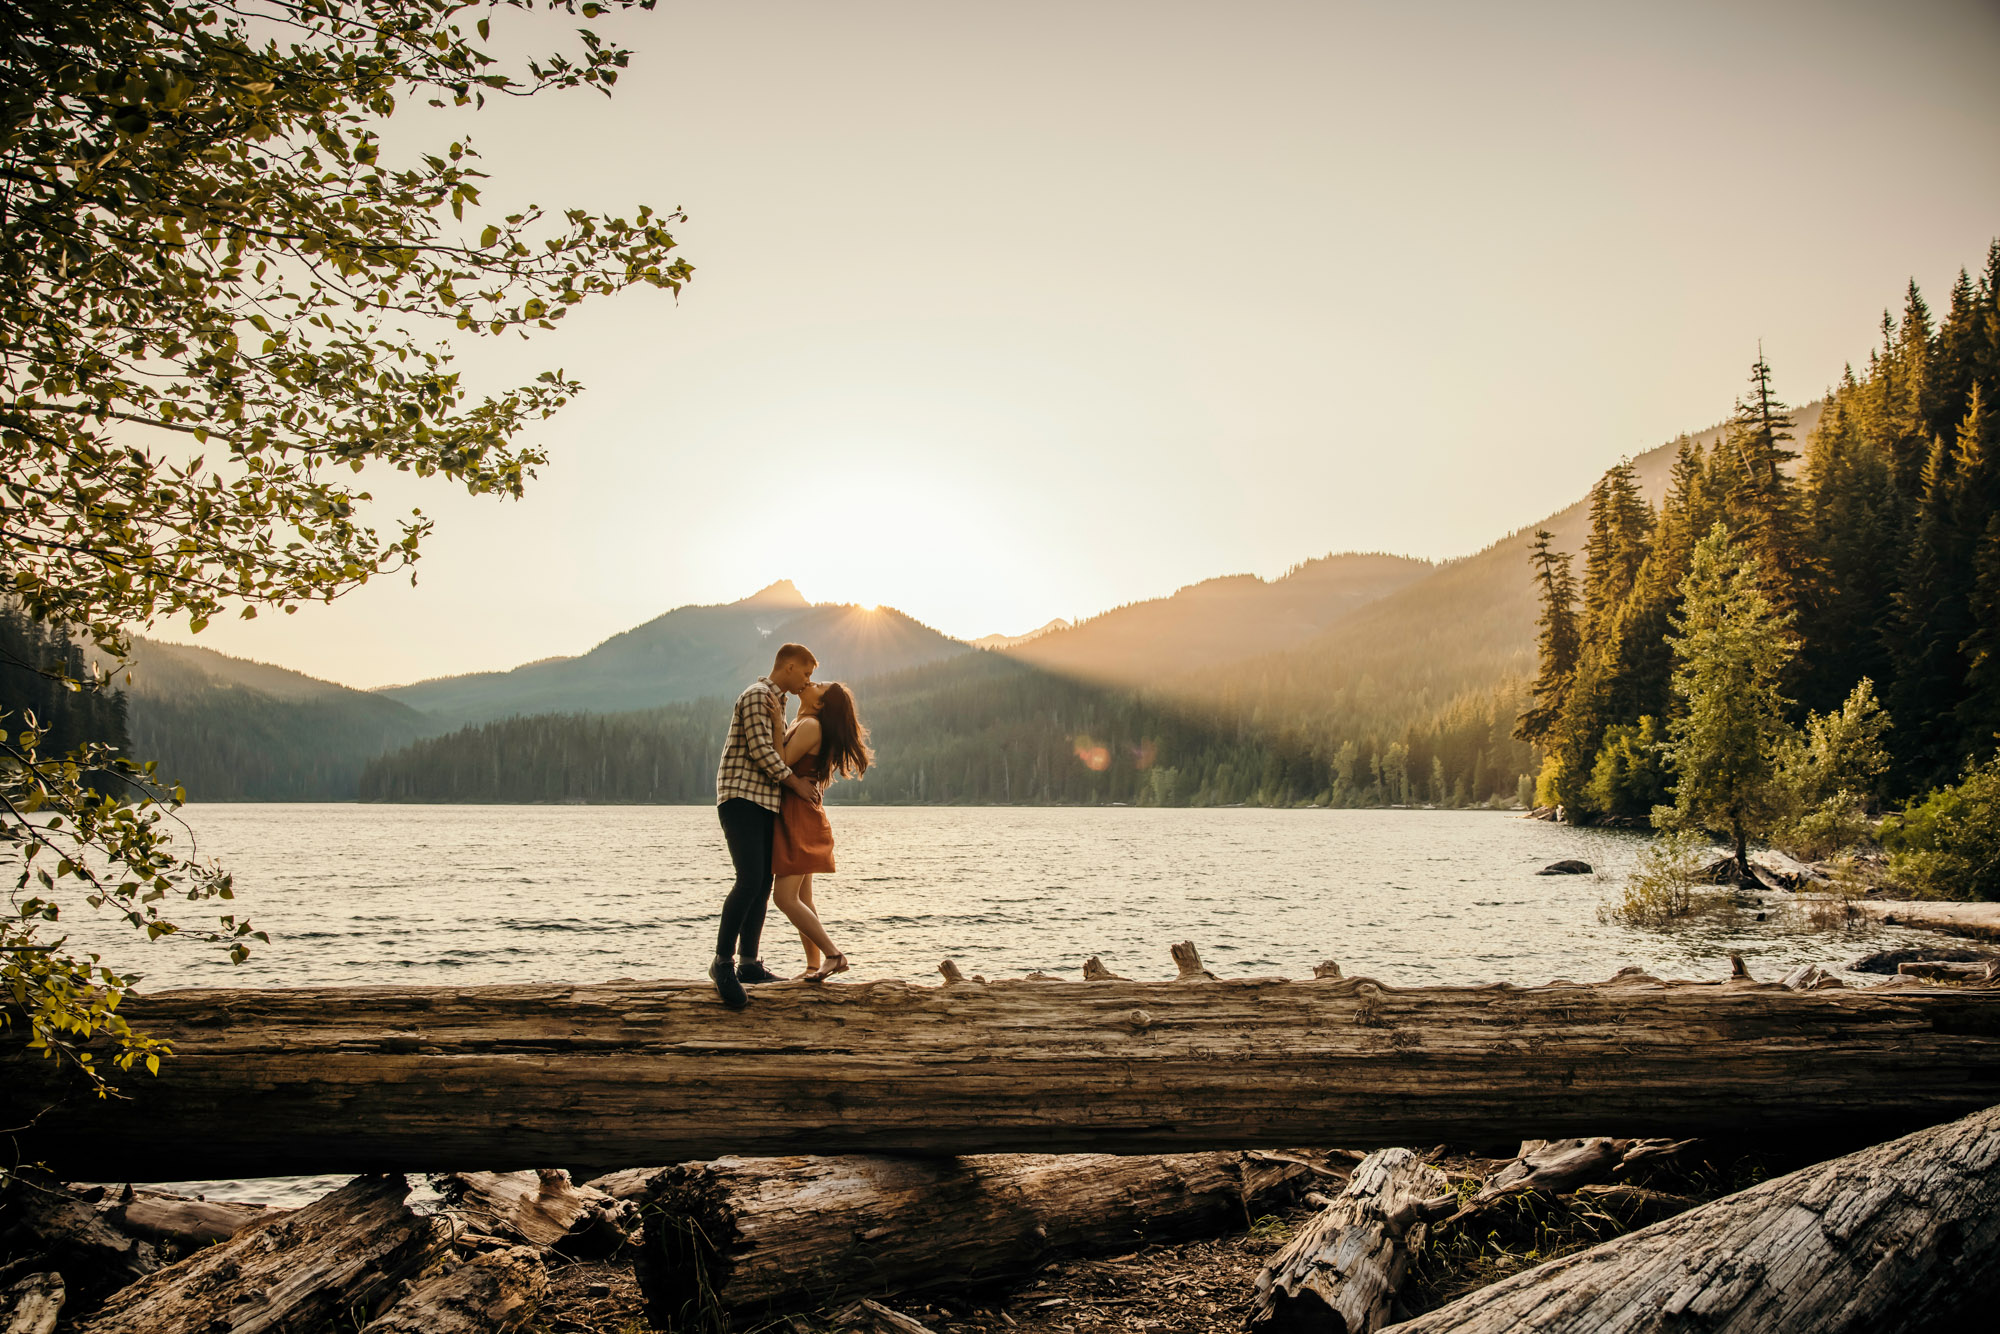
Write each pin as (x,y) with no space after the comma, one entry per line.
(33,1305)
(1340,1274)
(495,1293)
(183,1222)
(1188,960)
(1095,971)
(1901,1237)
(1555,1165)
(538,1208)
(866,1317)
(599,1077)
(1977,974)
(333,1264)
(745,1236)
(46,1226)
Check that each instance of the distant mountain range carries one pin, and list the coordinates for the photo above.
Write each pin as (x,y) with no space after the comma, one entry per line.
(689,653)
(1338,643)
(995,642)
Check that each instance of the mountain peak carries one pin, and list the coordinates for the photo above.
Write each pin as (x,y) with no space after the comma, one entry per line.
(781,594)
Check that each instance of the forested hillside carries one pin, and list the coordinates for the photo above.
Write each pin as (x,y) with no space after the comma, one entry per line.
(1219,620)
(688,653)
(231,730)
(37,667)
(1881,551)
(976,730)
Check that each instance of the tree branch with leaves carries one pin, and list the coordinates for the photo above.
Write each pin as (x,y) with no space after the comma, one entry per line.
(219,302)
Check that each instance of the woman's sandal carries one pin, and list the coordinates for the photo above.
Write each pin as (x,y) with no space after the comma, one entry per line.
(835,963)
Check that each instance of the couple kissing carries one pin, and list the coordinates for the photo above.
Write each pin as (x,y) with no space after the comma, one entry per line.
(767,796)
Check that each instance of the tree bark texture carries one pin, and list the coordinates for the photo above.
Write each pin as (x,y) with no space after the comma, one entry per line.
(46,1226)
(495,1293)
(186,1223)
(1340,1273)
(739,1236)
(334,1264)
(1903,1237)
(32,1306)
(538,1208)
(595,1078)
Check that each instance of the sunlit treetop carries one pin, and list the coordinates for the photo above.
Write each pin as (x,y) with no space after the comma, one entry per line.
(218,295)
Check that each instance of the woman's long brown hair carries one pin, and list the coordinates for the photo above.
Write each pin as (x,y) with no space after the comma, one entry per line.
(843,740)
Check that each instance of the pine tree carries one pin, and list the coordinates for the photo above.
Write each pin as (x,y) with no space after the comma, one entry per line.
(1557,643)
(1976,515)
(1854,517)
(1725,744)
(1762,507)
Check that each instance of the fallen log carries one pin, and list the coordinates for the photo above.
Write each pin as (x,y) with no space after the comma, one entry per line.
(336,1263)
(537,1208)
(594,1078)
(495,1293)
(1901,1237)
(32,1306)
(738,1237)
(1976,974)
(183,1223)
(44,1225)
(1340,1274)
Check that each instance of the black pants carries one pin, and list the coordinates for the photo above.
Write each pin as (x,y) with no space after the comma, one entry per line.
(748,828)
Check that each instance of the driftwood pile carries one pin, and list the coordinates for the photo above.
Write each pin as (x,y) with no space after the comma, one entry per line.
(1905,1235)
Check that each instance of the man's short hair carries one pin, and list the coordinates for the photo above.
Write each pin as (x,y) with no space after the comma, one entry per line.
(793,653)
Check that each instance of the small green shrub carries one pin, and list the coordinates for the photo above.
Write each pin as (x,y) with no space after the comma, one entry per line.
(1666,887)
(1948,845)
(1834,826)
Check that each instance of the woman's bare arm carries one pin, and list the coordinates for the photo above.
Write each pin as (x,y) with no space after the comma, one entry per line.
(802,740)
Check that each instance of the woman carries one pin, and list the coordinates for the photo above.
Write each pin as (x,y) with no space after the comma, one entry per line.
(826,742)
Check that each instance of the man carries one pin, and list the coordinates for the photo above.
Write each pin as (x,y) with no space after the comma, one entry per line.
(748,785)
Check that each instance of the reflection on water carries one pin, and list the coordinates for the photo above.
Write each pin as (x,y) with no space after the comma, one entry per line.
(470,894)
(474,894)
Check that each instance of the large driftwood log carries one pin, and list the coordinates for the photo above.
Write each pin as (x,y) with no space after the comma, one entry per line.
(495,1293)
(1340,1274)
(1901,1237)
(594,1078)
(741,1236)
(335,1263)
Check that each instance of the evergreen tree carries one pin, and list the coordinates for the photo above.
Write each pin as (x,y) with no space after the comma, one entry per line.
(1762,507)
(1557,644)
(1725,745)
(1621,527)
(1854,519)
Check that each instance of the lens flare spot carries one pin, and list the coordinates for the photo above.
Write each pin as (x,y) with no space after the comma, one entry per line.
(1095,758)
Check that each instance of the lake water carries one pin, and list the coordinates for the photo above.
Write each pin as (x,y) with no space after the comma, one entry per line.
(475,894)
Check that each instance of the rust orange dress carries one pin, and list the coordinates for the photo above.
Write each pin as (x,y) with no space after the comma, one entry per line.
(803,844)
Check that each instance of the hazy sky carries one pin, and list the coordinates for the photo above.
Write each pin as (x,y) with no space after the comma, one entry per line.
(1010,311)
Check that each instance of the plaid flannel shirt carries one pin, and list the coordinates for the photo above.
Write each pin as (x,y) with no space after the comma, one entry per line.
(751,766)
